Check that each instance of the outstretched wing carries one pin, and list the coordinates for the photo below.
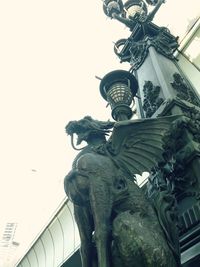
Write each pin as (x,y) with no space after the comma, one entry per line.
(137,146)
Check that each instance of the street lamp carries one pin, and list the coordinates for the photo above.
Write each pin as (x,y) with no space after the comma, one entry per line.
(132,11)
(135,8)
(111,7)
(118,88)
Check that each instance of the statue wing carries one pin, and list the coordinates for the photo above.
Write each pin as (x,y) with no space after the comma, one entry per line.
(137,146)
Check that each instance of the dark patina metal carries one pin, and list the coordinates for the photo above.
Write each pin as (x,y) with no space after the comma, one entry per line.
(118,226)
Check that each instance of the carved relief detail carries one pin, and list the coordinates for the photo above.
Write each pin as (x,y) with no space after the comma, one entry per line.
(183,90)
(152,101)
(181,143)
(193,123)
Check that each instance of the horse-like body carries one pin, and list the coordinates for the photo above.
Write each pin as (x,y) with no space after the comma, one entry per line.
(118,227)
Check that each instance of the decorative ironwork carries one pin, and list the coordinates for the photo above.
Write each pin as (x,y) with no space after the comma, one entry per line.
(138,53)
(132,12)
(163,42)
(165,204)
(176,176)
(152,101)
(181,143)
(183,90)
(193,124)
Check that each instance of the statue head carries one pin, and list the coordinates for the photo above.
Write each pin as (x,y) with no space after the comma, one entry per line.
(87,129)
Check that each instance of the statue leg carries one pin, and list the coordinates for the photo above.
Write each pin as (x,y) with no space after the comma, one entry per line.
(101,205)
(85,226)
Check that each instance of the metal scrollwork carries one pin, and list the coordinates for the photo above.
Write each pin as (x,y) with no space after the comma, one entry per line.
(138,53)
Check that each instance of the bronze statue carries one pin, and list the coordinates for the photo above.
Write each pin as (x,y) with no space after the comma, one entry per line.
(118,226)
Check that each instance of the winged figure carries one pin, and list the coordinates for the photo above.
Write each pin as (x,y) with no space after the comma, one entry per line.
(117,224)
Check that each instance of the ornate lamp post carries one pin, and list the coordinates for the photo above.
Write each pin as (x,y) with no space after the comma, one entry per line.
(164,90)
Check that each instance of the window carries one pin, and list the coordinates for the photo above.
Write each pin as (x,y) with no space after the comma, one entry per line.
(192,49)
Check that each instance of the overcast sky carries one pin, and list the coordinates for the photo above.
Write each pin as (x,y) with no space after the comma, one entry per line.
(50,53)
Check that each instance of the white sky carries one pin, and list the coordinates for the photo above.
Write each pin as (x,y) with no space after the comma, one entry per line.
(50,52)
